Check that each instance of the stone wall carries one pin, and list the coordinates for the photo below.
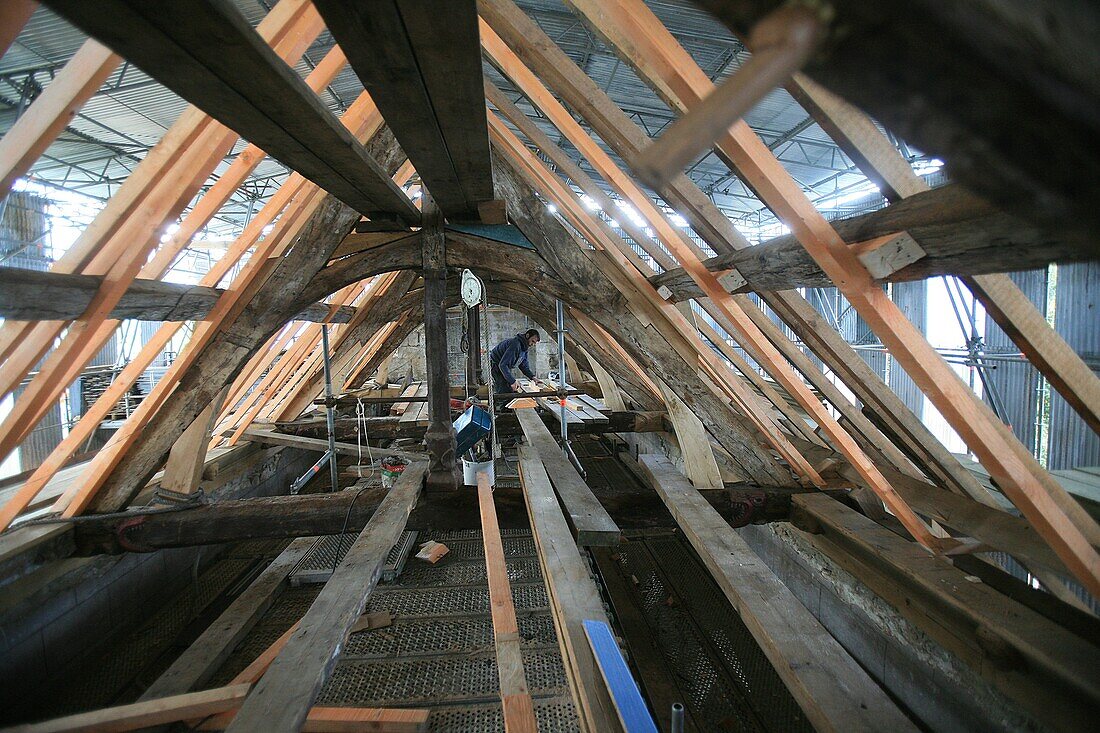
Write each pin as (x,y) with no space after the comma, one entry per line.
(501,323)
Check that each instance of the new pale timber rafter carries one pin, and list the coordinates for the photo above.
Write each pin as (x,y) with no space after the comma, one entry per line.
(743,329)
(645,304)
(647,45)
(161,185)
(276,379)
(613,126)
(581,179)
(881,162)
(181,44)
(678,363)
(111,226)
(421,64)
(48,115)
(307,241)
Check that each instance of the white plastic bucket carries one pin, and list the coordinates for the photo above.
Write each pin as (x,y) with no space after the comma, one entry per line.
(470,470)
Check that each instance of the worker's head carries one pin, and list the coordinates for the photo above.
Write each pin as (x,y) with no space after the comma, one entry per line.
(532,337)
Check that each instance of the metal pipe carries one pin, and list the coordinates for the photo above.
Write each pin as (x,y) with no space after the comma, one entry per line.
(568,450)
(299,482)
(330,412)
(561,372)
(677,718)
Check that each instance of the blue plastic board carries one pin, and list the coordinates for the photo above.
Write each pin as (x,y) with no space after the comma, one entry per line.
(504,233)
(632,709)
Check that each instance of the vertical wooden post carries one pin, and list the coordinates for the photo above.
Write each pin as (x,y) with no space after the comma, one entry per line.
(440,435)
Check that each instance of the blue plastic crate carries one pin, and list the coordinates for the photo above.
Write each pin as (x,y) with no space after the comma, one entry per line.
(470,427)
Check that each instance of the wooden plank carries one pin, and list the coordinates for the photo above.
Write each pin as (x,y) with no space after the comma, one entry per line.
(831,688)
(270,437)
(691,436)
(208,54)
(381,720)
(144,714)
(399,408)
(207,653)
(183,469)
(349,720)
(1040,343)
(631,708)
(590,521)
(283,697)
(573,595)
(519,713)
(422,66)
(1027,657)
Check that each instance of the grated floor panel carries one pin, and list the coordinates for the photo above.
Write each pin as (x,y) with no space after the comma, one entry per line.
(438,653)
(726,680)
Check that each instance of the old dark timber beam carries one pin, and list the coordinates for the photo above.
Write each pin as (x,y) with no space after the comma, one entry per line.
(421,63)
(226,521)
(440,435)
(1004,92)
(30,295)
(390,428)
(959,233)
(1029,658)
(205,51)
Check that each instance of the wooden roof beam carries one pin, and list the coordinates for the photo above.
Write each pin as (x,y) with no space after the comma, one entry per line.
(421,64)
(30,295)
(206,52)
(742,327)
(958,233)
(1028,148)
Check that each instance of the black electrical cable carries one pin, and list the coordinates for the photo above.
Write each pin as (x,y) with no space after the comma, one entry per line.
(344,527)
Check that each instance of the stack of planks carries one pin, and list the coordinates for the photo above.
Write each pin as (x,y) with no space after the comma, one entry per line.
(579,409)
(413,412)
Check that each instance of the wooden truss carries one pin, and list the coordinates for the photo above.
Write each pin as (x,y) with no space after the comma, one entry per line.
(308,260)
